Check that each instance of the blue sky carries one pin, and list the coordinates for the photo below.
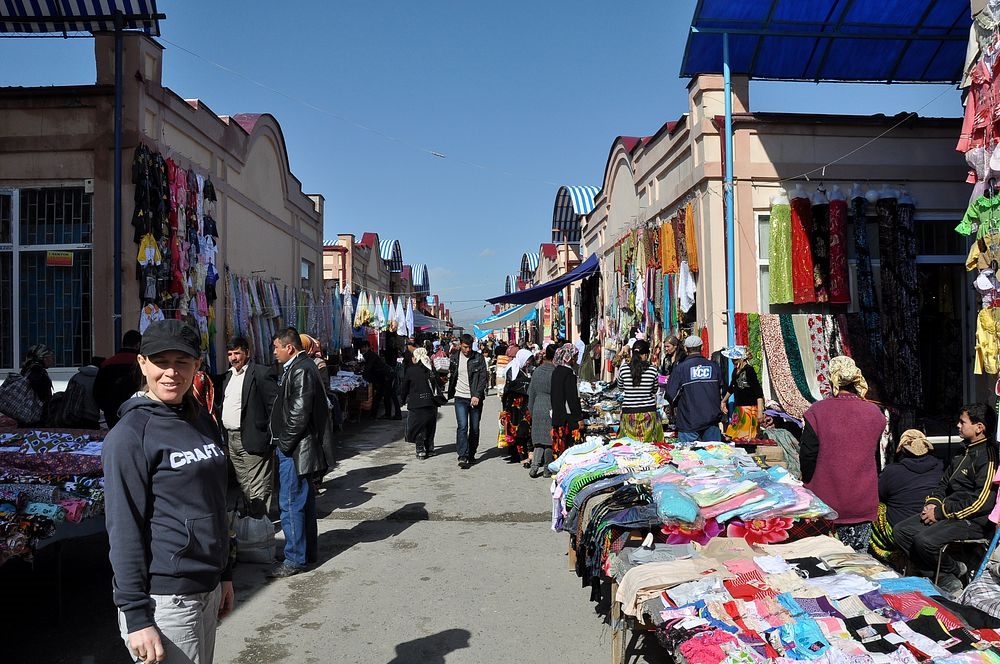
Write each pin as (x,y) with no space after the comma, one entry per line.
(520,97)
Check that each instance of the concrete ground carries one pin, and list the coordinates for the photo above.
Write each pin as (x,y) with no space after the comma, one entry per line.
(420,562)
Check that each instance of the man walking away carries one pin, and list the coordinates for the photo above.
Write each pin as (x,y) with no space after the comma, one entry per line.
(118,378)
(467,386)
(299,422)
(695,391)
(247,394)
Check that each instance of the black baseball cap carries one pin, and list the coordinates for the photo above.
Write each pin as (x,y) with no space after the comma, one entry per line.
(164,335)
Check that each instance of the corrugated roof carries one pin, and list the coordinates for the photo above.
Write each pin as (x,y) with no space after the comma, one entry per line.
(510,285)
(529,263)
(421,278)
(392,254)
(64,16)
(831,40)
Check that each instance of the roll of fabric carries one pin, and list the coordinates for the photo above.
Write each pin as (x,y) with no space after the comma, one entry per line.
(803,286)
(754,344)
(742,331)
(779,371)
(800,323)
(794,356)
(779,254)
(820,347)
(820,237)
(840,286)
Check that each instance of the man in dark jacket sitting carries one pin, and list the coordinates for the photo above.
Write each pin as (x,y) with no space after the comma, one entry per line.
(960,505)
(301,431)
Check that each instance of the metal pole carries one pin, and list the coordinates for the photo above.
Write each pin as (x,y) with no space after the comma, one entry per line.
(119,49)
(728,198)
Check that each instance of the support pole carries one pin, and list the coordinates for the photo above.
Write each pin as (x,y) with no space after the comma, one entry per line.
(728,198)
(119,50)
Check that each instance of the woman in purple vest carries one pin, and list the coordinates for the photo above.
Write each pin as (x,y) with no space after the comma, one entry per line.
(838,452)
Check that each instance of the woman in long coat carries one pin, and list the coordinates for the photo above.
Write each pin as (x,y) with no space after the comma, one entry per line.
(540,405)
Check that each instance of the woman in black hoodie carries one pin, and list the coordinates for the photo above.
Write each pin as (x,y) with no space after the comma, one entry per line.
(419,387)
(165,477)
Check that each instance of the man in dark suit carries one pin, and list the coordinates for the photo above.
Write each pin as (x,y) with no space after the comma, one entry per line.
(302,432)
(247,393)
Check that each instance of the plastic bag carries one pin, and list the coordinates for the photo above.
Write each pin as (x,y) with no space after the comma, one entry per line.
(254,539)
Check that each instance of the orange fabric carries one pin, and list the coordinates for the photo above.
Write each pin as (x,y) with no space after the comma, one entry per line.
(668,251)
(692,246)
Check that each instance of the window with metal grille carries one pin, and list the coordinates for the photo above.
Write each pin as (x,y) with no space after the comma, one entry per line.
(46,291)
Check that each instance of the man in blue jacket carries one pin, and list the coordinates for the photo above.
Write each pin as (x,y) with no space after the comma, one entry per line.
(695,391)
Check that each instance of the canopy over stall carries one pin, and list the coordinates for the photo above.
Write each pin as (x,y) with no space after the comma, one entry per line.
(542,291)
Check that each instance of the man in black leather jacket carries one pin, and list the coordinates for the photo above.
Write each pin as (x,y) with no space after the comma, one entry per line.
(301,431)
(467,384)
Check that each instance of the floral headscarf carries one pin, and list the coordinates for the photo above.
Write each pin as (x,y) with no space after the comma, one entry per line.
(844,372)
(420,355)
(565,355)
(35,357)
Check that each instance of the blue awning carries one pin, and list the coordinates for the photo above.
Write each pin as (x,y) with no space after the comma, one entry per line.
(65,16)
(831,40)
(392,255)
(542,291)
(506,319)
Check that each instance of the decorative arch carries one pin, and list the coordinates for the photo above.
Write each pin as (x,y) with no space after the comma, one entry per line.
(511,284)
(529,264)
(571,204)
(421,278)
(392,254)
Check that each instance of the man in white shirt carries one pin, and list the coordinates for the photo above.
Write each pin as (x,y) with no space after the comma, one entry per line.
(467,384)
(247,393)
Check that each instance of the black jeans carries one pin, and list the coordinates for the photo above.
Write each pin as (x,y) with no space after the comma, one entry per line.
(385,394)
(922,543)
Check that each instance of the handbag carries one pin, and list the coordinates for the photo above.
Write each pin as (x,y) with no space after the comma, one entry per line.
(19,401)
(254,539)
(437,396)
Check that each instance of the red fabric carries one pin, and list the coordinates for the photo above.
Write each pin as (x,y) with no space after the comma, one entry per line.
(803,286)
(742,329)
(840,287)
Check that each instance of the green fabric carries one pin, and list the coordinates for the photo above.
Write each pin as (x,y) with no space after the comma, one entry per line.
(779,268)
(582,480)
(754,344)
(794,356)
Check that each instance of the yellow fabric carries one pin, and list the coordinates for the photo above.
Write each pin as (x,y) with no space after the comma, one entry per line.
(987,341)
(668,249)
(149,252)
(692,246)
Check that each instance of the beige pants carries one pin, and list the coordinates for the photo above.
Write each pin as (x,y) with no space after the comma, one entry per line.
(255,473)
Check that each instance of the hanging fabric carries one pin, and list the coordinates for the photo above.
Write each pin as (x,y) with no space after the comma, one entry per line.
(820,241)
(779,371)
(690,239)
(840,287)
(668,249)
(868,306)
(803,284)
(794,356)
(754,343)
(820,348)
(779,267)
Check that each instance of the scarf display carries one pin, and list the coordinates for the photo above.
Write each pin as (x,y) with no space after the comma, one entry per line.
(794,356)
(778,368)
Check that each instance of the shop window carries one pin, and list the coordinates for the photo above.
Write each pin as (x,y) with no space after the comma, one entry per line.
(306,273)
(45,274)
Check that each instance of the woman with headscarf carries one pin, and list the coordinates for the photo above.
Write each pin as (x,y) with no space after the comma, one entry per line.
(515,416)
(747,394)
(903,488)
(838,452)
(35,370)
(639,379)
(540,407)
(567,416)
(418,391)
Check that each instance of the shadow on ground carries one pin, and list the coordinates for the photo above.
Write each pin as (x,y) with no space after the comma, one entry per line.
(431,649)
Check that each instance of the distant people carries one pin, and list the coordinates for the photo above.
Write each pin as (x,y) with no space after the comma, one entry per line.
(748,396)
(299,424)
(567,415)
(838,452)
(165,479)
(467,384)
(380,375)
(695,391)
(903,485)
(540,406)
(79,409)
(35,369)
(418,390)
(118,378)
(959,506)
(246,394)
(515,417)
(638,379)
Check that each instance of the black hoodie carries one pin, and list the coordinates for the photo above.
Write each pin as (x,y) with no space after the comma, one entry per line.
(165,502)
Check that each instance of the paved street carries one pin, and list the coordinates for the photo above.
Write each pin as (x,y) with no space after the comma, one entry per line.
(420,561)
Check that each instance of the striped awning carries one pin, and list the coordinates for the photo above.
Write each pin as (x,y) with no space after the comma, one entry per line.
(529,263)
(511,284)
(66,16)
(392,254)
(571,204)
(421,279)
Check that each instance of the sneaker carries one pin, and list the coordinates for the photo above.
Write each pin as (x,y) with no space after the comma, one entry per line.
(951,585)
(421,455)
(463,462)
(285,570)
(472,459)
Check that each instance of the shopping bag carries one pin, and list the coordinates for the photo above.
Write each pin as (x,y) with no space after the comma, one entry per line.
(19,401)
(254,539)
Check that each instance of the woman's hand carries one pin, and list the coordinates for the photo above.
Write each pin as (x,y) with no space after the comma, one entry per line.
(146,645)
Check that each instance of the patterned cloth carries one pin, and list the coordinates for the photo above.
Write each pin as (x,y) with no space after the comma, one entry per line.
(804,342)
(743,424)
(779,267)
(821,251)
(668,249)
(754,344)
(794,356)
(820,346)
(779,371)
(689,239)
(855,535)
(840,287)
(882,543)
(867,302)
(803,286)
(564,437)
(643,427)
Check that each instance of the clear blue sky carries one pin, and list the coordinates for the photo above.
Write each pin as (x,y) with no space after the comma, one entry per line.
(520,97)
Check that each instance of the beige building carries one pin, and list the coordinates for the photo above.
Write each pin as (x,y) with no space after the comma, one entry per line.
(57,183)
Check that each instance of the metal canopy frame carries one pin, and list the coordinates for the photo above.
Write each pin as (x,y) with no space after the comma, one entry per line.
(41,17)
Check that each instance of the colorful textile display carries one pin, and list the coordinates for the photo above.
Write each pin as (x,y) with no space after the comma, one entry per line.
(840,287)
(779,267)
(803,284)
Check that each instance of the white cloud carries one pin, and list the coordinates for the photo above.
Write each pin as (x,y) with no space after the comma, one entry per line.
(487,252)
